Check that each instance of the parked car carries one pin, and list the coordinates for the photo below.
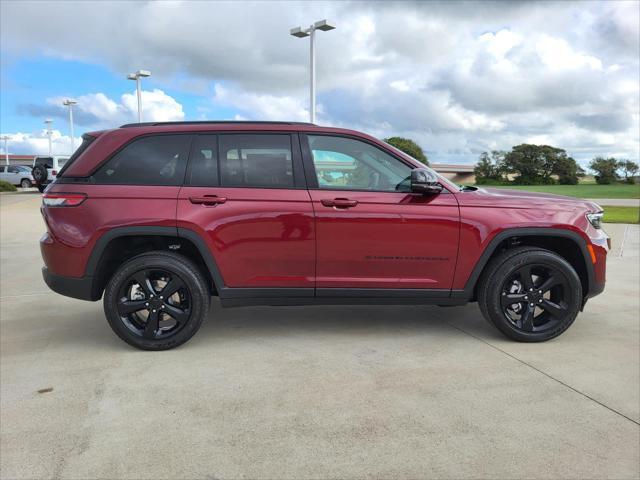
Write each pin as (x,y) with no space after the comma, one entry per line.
(46,169)
(156,217)
(17,175)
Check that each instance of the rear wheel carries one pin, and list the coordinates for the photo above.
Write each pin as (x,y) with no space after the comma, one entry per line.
(530,294)
(156,301)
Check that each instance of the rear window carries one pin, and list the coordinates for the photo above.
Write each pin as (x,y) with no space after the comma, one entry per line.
(257,160)
(151,160)
(46,161)
(64,163)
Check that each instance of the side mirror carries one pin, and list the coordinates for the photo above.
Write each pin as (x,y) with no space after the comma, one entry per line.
(424,181)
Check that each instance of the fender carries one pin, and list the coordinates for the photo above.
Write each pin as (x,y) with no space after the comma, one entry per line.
(490,249)
(150,230)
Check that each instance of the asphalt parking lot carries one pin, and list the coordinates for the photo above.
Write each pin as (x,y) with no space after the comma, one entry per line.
(313,392)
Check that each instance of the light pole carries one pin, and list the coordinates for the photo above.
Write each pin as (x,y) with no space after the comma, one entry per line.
(48,123)
(6,138)
(70,103)
(325,26)
(137,76)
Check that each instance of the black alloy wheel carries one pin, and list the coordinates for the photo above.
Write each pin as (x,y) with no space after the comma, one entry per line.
(530,294)
(156,301)
(534,298)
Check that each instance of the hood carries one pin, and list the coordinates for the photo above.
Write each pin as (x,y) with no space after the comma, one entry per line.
(508,198)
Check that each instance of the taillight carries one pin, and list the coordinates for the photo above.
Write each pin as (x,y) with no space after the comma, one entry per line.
(54,172)
(63,199)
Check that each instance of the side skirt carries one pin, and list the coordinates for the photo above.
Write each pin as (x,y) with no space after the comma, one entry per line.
(242,297)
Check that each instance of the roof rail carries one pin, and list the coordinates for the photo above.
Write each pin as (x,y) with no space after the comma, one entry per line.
(209,122)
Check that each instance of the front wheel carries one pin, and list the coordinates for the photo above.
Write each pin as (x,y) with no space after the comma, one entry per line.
(530,294)
(156,301)
(25,183)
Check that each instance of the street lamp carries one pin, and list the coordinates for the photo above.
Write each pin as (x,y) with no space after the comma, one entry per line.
(48,123)
(137,76)
(6,138)
(325,26)
(70,103)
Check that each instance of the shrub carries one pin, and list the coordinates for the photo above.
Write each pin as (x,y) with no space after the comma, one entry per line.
(7,187)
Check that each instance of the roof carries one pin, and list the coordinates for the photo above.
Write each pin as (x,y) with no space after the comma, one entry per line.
(212,122)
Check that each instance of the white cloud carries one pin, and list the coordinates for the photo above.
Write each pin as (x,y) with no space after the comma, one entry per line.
(97,110)
(254,106)
(459,77)
(557,54)
(37,143)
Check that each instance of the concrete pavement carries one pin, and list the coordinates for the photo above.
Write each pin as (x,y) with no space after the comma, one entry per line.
(617,202)
(313,392)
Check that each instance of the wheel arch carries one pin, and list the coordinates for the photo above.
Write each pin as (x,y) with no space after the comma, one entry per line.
(119,244)
(560,241)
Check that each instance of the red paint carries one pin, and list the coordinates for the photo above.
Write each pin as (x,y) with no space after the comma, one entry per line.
(307,238)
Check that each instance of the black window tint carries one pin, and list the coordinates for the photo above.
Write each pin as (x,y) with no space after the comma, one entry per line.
(12,169)
(256,161)
(154,160)
(204,161)
(46,161)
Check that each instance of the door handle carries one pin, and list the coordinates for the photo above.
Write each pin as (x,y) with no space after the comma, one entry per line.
(208,200)
(339,202)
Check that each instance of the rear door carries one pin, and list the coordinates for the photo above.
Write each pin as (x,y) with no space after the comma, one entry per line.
(245,195)
(372,232)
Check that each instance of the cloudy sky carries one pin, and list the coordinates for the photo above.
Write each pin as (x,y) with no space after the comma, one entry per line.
(458,77)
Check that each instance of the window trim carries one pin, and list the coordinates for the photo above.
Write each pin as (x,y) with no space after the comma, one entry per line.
(310,169)
(299,182)
(180,182)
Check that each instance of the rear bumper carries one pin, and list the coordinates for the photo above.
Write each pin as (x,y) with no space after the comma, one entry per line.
(80,288)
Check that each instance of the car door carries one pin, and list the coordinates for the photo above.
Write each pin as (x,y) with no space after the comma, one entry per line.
(3,174)
(245,195)
(372,232)
(13,175)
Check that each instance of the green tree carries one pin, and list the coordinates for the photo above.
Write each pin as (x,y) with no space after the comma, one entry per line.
(605,169)
(538,164)
(409,147)
(629,170)
(566,169)
(489,168)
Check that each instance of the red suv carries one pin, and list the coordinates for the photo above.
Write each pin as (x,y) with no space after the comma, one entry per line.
(157,217)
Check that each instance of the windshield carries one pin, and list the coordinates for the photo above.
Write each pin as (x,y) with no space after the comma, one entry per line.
(443,180)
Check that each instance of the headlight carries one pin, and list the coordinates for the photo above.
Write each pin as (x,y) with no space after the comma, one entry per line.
(595,219)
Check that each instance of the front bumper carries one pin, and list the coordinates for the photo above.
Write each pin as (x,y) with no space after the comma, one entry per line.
(81,288)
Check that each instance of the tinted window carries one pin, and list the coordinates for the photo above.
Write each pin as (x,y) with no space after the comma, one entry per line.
(46,161)
(345,163)
(12,169)
(256,161)
(154,160)
(204,161)
(86,141)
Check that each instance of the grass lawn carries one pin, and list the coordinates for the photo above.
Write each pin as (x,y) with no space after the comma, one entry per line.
(621,214)
(581,191)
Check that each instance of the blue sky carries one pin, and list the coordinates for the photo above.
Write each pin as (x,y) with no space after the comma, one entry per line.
(460,78)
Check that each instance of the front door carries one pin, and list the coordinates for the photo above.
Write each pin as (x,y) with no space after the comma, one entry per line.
(371,231)
(245,196)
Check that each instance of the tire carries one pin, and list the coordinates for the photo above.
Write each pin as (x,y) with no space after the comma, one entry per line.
(137,287)
(25,183)
(39,173)
(41,187)
(533,310)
